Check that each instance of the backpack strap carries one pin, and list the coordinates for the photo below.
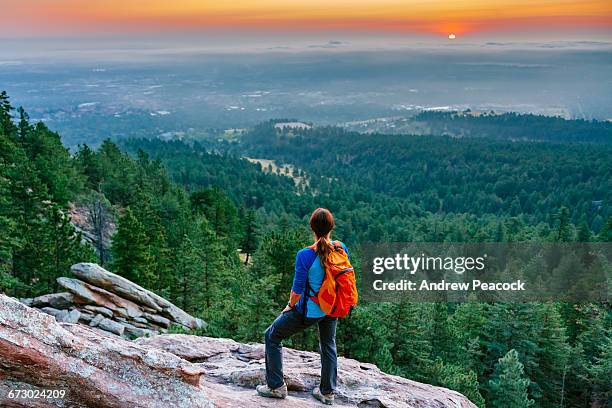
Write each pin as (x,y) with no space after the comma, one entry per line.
(304,299)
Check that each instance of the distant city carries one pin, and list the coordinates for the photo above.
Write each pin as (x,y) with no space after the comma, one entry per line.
(170,95)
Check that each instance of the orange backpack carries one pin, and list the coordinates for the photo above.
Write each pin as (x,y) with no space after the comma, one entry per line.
(338,293)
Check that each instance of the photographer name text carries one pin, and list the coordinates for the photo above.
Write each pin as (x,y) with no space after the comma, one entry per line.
(424,285)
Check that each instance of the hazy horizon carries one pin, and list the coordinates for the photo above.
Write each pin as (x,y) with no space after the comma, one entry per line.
(158,69)
(461,17)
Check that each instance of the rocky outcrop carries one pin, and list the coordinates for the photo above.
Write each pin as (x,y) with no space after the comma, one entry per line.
(101,299)
(97,369)
(94,369)
(359,384)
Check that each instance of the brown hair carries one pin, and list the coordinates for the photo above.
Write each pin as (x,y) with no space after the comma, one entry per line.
(321,223)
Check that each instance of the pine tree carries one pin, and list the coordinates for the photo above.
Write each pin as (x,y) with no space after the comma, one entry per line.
(508,385)
(411,338)
(188,283)
(62,248)
(441,336)
(552,356)
(459,379)
(7,127)
(24,126)
(584,232)
(257,305)
(467,323)
(248,243)
(8,225)
(118,181)
(563,229)
(605,235)
(146,211)
(219,211)
(11,156)
(88,163)
(131,256)
(209,274)
(278,250)
(52,161)
(600,378)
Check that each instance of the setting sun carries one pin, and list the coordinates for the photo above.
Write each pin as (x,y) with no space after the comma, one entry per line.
(392,16)
(452,36)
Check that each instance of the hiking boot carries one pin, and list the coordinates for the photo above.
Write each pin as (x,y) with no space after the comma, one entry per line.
(265,391)
(327,399)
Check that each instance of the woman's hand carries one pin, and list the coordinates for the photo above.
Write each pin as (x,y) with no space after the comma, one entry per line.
(293,299)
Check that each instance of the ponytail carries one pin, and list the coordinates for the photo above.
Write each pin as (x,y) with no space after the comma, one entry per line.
(323,248)
(321,223)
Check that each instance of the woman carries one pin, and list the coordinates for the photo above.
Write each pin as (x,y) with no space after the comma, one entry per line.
(301,312)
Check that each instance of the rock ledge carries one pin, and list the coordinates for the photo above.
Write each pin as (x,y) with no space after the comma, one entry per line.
(171,370)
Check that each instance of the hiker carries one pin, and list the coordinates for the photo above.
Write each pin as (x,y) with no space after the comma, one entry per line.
(323,290)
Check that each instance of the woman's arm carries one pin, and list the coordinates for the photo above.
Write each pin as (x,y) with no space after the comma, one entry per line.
(299,281)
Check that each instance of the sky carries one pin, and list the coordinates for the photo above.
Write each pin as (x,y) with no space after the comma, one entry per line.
(74,18)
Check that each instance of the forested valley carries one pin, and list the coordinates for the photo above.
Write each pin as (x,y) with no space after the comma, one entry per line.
(217,235)
(514,126)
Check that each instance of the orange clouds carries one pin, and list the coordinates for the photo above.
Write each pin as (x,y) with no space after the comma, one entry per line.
(416,16)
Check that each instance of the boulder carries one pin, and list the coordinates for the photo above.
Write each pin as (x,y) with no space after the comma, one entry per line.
(115,298)
(85,318)
(149,326)
(98,276)
(99,309)
(68,316)
(100,297)
(134,332)
(63,300)
(157,319)
(51,311)
(93,369)
(26,301)
(111,326)
(96,320)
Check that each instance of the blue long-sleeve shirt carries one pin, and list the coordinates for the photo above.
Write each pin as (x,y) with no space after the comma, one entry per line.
(308,266)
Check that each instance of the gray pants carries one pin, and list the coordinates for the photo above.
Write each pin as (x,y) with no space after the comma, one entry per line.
(286,325)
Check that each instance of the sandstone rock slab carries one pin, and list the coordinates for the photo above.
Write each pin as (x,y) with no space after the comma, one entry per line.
(68,316)
(94,369)
(63,300)
(108,282)
(100,297)
(51,311)
(111,326)
(98,276)
(359,384)
(100,369)
(96,320)
(157,319)
(99,309)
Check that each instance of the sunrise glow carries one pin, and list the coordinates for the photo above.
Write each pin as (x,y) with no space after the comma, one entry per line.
(422,17)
